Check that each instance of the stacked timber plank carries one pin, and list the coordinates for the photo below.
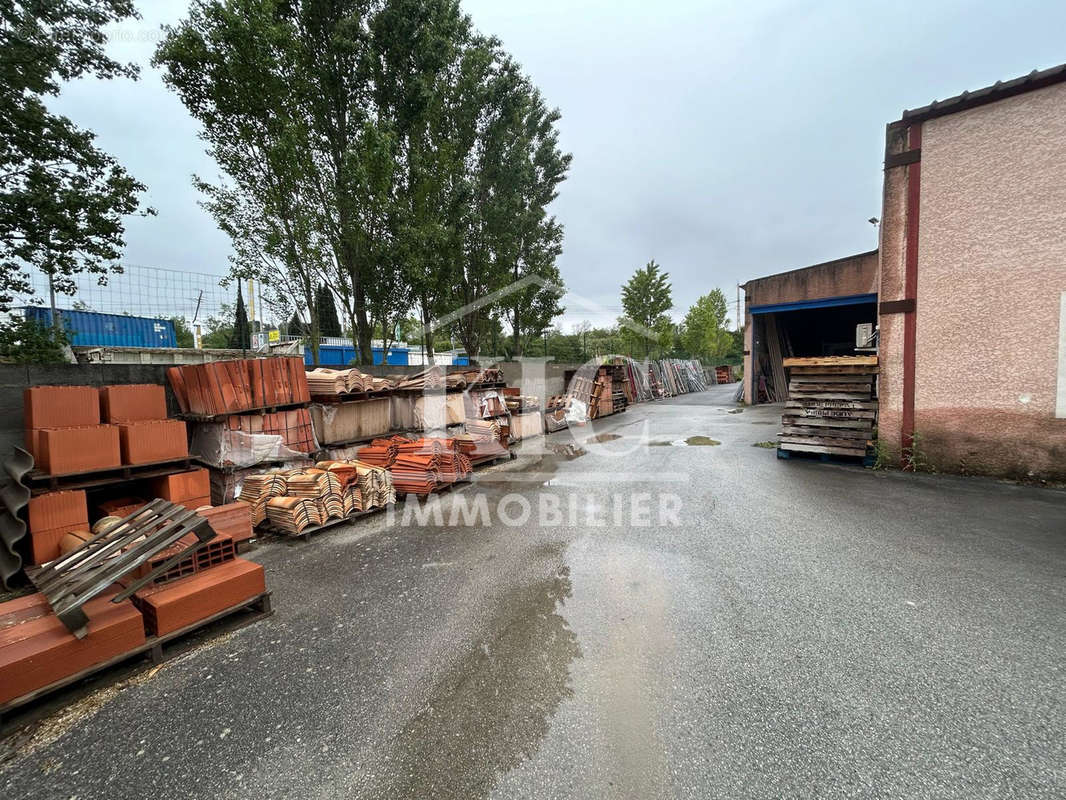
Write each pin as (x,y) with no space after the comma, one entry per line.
(831,407)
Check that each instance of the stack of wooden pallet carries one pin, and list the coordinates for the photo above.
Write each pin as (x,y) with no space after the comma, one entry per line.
(831,407)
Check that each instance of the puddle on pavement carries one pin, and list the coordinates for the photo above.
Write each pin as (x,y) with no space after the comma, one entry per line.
(489,712)
(691,441)
(567,451)
(602,437)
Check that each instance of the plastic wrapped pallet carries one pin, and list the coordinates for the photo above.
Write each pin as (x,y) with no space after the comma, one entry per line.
(524,426)
(403,412)
(436,411)
(337,423)
(214,444)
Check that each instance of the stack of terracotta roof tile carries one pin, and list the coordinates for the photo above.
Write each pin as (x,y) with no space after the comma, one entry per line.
(376,486)
(372,484)
(352,500)
(454,467)
(478,447)
(346,471)
(323,486)
(416,473)
(381,452)
(483,428)
(293,426)
(257,491)
(293,515)
(227,387)
(424,465)
(324,382)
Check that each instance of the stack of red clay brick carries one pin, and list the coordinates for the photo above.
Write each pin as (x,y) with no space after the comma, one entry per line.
(227,387)
(36,649)
(55,514)
(73,429)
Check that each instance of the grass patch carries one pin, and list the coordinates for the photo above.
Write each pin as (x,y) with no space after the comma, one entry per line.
(767,445)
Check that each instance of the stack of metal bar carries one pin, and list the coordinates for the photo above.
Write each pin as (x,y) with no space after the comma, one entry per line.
(831,408)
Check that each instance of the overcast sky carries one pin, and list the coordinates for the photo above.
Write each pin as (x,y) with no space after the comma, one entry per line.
(725,140)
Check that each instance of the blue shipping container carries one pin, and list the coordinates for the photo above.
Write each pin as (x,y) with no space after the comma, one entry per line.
(330,355)
(92,329)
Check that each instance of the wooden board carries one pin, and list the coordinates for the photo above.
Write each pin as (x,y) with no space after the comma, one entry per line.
(803,376)
(843,396)
(834,370)
(812,448)
(822,441)
(832,361)
(810,386)
(828,422)
(836,433)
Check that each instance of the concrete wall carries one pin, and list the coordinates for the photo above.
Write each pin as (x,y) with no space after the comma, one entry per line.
(842,277)
(991,279)
(839,278)
(14,379)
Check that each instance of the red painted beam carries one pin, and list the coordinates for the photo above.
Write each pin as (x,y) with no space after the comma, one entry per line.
(910,285)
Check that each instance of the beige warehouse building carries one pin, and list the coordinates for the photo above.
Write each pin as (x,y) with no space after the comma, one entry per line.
(970,284)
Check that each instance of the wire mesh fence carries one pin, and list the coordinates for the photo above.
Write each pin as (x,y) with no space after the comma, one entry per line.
(144,292)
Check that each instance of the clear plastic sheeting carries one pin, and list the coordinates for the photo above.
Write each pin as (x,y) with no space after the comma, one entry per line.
(214,444)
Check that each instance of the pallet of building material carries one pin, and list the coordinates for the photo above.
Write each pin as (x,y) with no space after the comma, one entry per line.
(829,412)
(90,569)
(59,644)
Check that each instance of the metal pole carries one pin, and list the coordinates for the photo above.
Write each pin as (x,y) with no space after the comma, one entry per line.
(52,298)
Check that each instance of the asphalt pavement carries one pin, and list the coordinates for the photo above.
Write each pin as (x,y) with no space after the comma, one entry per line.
(649,606)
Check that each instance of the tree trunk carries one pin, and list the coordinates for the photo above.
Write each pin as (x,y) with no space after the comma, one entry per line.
(427,330)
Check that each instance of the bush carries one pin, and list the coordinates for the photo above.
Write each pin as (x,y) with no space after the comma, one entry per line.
(27,341)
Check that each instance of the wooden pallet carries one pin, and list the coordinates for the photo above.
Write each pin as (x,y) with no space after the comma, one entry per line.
(309,531)
(191,417)
(152,648)
(39,482)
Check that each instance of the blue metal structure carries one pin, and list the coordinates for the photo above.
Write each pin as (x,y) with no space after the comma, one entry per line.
(331,355)
(828,302)
(92,329)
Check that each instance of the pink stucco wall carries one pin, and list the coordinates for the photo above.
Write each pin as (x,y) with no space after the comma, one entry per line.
(991,271)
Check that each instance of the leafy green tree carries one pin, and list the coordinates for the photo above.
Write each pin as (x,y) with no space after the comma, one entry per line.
(62,200)
(27,341)
(704,333)
(241,335)
(646,297)
(328,323)
(217,330)
(183,333)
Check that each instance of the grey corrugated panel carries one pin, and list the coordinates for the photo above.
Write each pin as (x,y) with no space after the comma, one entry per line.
(14,496)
